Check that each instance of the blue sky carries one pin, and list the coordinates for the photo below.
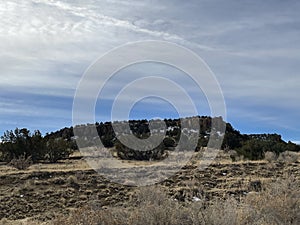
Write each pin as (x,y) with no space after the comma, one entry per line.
(253,48)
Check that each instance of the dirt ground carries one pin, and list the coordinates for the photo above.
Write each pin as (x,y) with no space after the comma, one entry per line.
(45,191)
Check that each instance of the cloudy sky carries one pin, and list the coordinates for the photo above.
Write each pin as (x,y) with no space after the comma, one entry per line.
(252,47)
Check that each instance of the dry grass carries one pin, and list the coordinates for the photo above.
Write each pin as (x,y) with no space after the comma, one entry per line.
(66,165)
(278,203)
(218,195)
(19,222)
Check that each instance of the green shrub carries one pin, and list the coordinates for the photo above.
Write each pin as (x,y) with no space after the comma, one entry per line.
(57,149)
(20,144)
(169,142)
(156,153)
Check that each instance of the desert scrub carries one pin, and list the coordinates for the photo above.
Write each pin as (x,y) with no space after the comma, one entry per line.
(277,203)
(270,156)
(288,157)
(21,163)
(72,181)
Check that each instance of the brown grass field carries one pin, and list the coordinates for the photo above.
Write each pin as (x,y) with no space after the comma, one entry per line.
(70,192)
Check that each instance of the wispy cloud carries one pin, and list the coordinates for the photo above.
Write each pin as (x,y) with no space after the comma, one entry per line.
(252,47)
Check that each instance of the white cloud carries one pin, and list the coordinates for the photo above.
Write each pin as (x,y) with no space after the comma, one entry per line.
(41,40)
(47,44)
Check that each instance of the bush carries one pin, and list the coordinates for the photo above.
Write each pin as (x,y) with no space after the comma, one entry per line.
(278,203)
(288,157)
(73,182)
(233,155)
(21,163)
(252,149)
(127,153)
(21,143)
(169,142)
(270,156)
(57,149)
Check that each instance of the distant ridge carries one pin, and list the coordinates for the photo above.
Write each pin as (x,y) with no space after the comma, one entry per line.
(251,146)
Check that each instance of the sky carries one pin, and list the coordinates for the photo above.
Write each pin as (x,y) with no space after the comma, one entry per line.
(252,47)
